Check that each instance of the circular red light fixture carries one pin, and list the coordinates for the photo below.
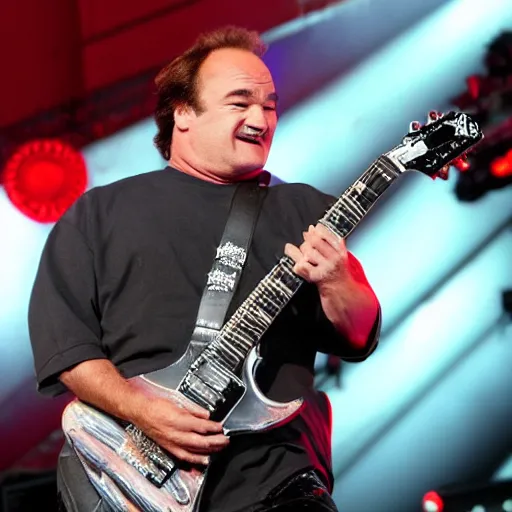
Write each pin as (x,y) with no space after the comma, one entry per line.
(44,178)
(432,502)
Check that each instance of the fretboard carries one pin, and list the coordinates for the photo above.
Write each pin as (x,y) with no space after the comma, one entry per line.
(255,315)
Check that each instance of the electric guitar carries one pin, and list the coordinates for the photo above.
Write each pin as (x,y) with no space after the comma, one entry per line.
(129,470)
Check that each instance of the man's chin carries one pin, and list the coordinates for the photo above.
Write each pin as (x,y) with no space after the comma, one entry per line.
(250,163)
(248,168)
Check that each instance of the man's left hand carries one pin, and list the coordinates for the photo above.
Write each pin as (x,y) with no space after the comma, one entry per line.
(322,258)
(347,299)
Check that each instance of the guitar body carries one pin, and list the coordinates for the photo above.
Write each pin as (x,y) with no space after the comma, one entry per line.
(114,457)
(132,473)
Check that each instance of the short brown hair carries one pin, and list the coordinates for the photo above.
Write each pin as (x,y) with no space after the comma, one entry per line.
(177,82)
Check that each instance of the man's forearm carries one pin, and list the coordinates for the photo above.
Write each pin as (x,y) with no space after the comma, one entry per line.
(98,383)
(352,309)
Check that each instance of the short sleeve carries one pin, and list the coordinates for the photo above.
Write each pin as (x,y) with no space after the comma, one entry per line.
(332,342)
(63,318)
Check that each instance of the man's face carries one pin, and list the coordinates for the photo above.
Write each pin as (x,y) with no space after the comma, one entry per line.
(232,133)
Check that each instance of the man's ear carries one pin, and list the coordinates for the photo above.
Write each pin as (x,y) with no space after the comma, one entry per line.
(183,116)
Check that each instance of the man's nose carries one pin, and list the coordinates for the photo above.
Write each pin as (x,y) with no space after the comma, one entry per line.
(256,118)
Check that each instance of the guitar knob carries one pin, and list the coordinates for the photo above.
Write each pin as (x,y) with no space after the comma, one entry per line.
(414,126)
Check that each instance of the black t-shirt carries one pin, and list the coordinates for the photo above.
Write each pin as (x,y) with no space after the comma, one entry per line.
(121,277)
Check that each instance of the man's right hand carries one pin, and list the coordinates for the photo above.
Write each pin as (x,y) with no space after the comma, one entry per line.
(187,434)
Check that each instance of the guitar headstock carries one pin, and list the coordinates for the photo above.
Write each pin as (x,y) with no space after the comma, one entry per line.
(431,148)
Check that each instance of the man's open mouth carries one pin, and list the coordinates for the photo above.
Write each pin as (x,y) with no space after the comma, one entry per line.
(248,138)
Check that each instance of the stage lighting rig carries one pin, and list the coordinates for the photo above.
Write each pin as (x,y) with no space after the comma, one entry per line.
(488,99)
(478,497)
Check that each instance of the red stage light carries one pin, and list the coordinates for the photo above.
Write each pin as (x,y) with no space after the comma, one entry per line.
(464,166)
(474,86)
(432,502)
(501,167)
(44,178)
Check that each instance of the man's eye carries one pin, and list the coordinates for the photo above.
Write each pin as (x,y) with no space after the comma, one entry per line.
(240,105)
(270,108)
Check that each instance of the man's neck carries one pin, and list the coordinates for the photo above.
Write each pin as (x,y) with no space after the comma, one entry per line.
(211,176)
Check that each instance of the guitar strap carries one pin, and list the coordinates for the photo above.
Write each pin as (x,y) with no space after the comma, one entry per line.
(230,258)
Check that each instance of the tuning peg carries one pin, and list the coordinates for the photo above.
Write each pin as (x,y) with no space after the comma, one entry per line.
(433,115)
(444,173)
(414,126)
(461,163)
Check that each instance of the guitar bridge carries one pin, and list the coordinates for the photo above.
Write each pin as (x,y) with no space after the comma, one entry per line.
(153,453)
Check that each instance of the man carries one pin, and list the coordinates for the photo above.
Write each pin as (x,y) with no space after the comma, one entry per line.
(121,277)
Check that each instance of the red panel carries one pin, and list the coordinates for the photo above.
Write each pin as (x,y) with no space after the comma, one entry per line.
(99,16)
(42,43)
(152,44)
(41,56)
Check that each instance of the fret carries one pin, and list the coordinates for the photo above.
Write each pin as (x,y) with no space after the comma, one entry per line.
(233,350)
(259,310)
(255,315)
(344,215)
(224,356)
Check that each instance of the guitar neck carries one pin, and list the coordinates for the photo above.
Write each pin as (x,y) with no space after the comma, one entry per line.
(255,315)
(344,215)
